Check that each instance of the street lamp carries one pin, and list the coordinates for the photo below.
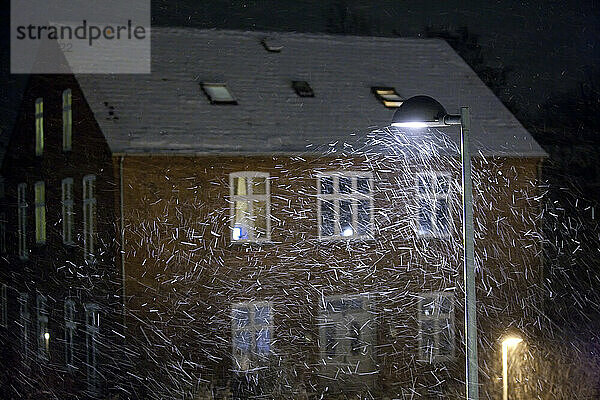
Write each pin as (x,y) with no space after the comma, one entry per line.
(426,112)
(506,343)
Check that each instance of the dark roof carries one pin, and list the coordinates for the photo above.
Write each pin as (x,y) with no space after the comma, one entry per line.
(166,111)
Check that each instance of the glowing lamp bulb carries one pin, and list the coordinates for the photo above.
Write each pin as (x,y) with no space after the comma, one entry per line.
(410,124)
(511,341)
(47,336)
(347,232)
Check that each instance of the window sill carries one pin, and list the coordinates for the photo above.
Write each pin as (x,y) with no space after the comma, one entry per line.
(251,242)
(364,238)
(432,236)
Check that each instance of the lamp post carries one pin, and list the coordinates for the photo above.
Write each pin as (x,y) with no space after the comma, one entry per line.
(506,343)
(426,112)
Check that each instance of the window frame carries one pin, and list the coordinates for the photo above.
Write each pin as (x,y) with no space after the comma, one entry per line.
(437,317)
(39,191)
(92,331)
(70,330)
(354,196)
(253,361)
(67,116)
(22,220)
(39,126)
(250,197)
(68,211)
(328,317)
(205,85)
(433,197)
(43,344)
(89,216)
(24,325)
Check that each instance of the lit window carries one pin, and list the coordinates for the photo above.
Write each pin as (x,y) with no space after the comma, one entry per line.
(252,334)
(39,126)
(387,96)
(303,89)
(67,210)
(67,115)
(4,308)
(347,335)
(22,220)
(89,216)
(24,325)
(433,218)
(218,93)
(345,205)
(436,326)
(92,331)
(250,206)
(43,334)
(70,333)
(40,212)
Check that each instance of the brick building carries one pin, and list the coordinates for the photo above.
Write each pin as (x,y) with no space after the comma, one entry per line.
(246,214)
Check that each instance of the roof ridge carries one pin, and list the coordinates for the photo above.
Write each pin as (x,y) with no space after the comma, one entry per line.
(296,35)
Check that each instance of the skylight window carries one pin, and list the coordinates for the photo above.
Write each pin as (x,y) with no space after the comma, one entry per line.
(218,93)
(303,89)
(388,96)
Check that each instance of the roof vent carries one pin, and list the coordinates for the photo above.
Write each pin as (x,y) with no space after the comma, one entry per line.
(272,45)
(303,89)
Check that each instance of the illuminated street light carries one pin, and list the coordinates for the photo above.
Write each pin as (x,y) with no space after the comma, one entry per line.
(426,112)
(506,343)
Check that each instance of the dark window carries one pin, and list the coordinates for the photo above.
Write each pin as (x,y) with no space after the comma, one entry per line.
(303,89)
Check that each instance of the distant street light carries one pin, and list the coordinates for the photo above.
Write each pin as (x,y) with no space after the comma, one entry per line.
(426,112)
(506,343)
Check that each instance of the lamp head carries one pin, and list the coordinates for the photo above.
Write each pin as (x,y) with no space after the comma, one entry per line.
(511,341)
(420,112)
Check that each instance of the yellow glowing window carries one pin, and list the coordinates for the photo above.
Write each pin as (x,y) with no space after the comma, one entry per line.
(39,126)
(40,212)
(67,120)
(250,206)
(387,96)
